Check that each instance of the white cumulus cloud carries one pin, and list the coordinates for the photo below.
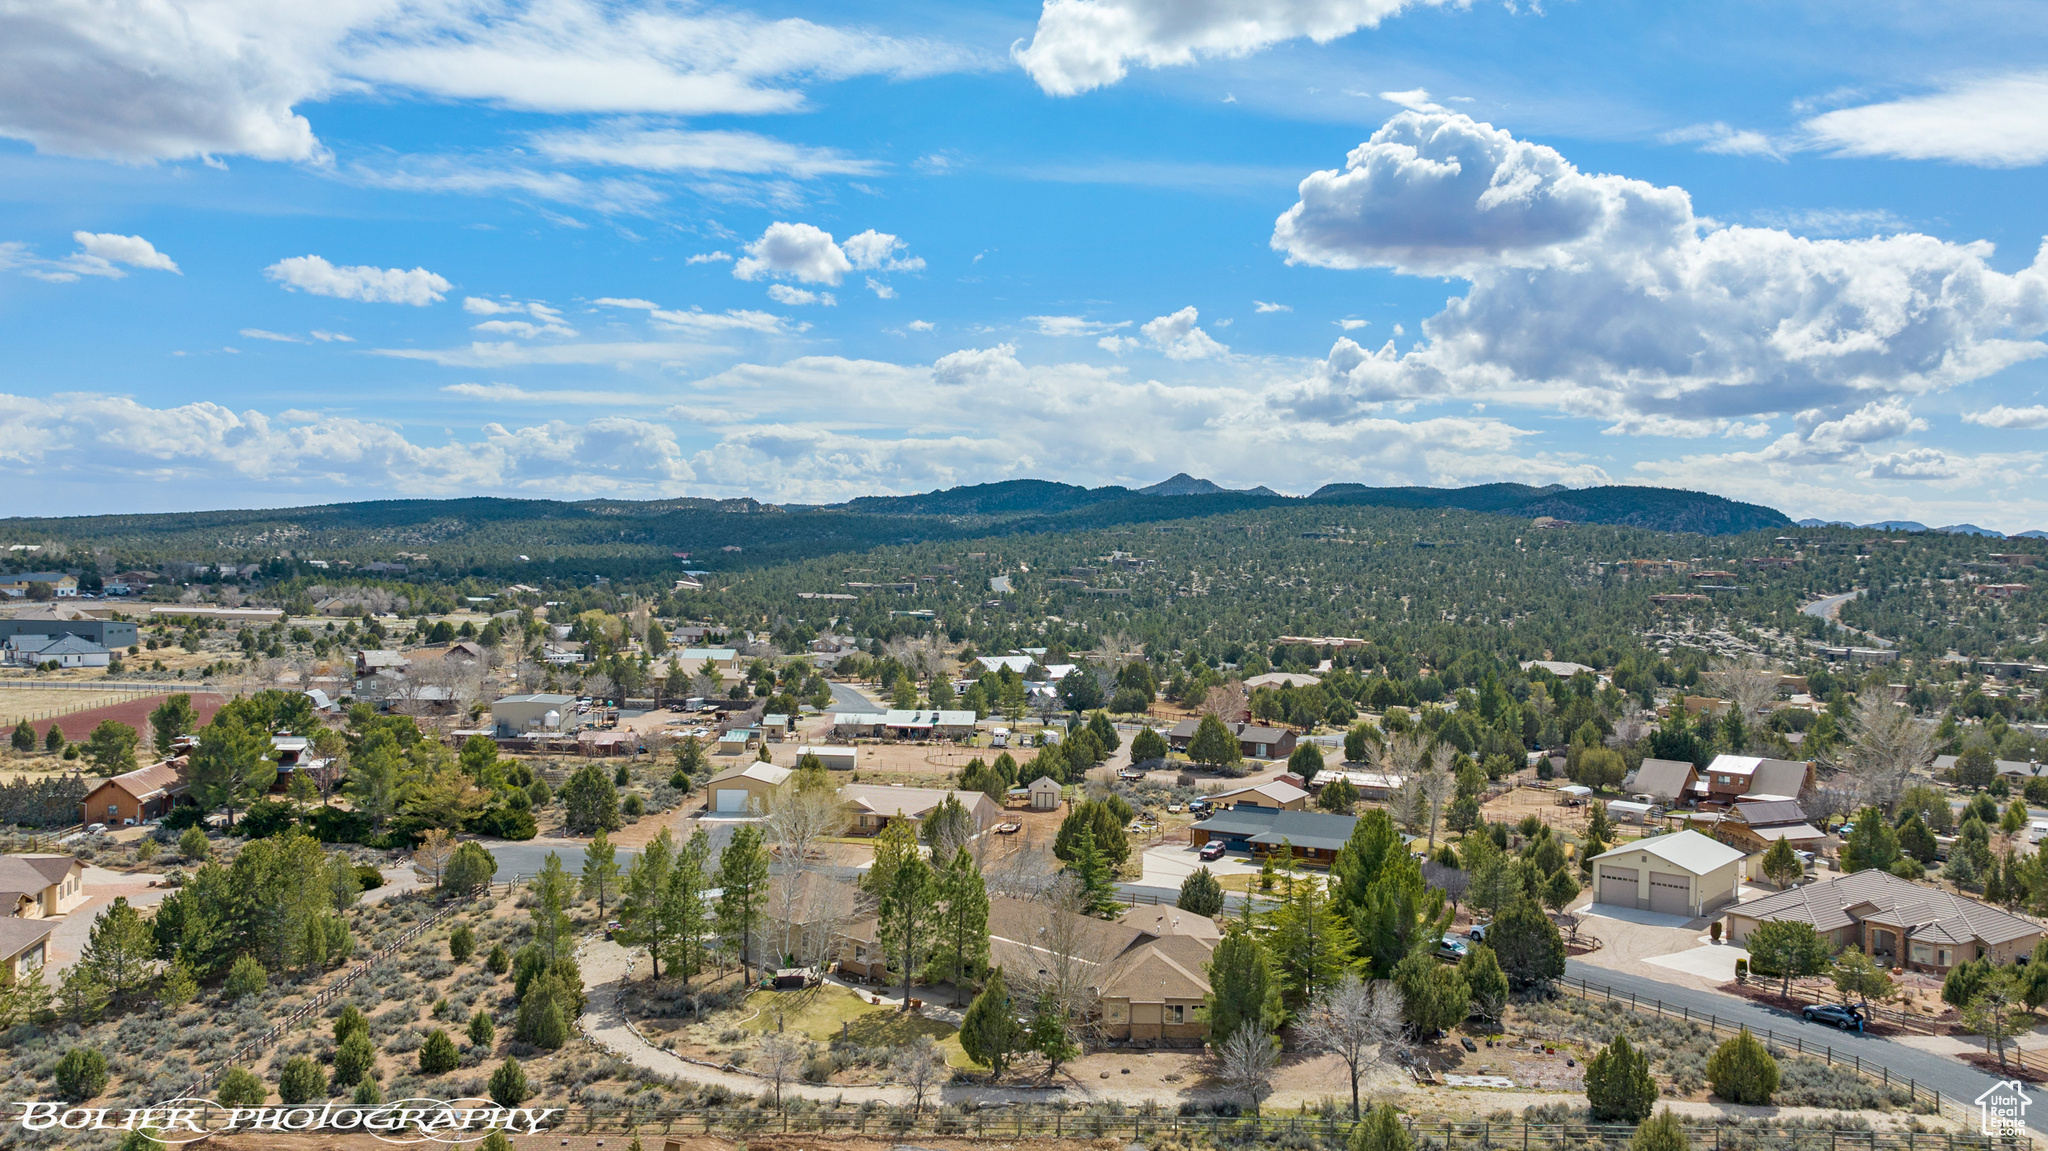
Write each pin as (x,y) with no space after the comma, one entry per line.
(1177,336)
(314,274)
(133,251)
(1084,44)
(1262,306)
(803,251)
(629,144)
(1607,296)
(784,294)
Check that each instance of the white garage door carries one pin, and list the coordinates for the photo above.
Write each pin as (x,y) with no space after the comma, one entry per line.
(1670,894)
(1618,886)
(731,801)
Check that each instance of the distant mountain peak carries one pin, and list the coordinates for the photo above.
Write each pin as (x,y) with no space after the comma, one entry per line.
(1263,490)
(1970,530)
(1183,484)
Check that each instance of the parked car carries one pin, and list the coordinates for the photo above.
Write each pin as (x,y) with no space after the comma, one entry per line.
(1477,932)
(1009,828)
(97,828)
(1173,807)
(1846,1018)
(1213,849)
(1199,806)
(1450,947)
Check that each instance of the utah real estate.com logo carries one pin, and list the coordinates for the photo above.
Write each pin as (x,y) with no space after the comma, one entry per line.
(403,1121)
(2003,1108)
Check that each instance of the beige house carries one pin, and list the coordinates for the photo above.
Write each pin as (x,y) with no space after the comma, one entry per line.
(24,948)
(39,886)
(835,757)
(1274,794)
(871,805)
(1684,873)
(1895,921)
(516,715)
(1150,963)
(137,796)
(748,790)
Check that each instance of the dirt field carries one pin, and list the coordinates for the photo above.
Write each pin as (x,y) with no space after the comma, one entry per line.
(23,701)
(132,710)
(1521,802)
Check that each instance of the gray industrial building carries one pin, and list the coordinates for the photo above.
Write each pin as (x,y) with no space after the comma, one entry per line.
(113,634)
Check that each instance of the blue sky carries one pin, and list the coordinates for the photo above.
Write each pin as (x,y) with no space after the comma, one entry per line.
(256,254)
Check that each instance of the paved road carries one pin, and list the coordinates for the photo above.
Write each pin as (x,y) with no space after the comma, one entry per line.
(845,697)
(1955,1079)
(1830,608)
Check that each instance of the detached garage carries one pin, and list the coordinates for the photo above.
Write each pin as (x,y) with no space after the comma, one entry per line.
(746,790)
(1685,873)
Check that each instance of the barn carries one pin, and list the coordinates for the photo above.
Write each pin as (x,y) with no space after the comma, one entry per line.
(1684,873)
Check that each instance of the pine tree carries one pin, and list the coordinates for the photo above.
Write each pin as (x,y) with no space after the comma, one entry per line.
(907,904)
(353,1059)
(350,1020)
(743,876)
(1097,894)
(508,1084)
(600,871)
(81,1074)
(302,1080)
(121,949)
(482,1033)
(179,986)
(1618,1083)
(461,943)
(1781,863)
(1201,893)
(1243,990)
(989,1031)
(82,995)
(962,923)
(550,914)
(1311,943)
(438,1055)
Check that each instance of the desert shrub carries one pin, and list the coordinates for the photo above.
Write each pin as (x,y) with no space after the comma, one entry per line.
(482,1032)
(301,1081)
(245,978)
(438,1055)
(81,1074)
(240,1088)
(461,943)
(508,1086)
(1741,1071)
(350,1020)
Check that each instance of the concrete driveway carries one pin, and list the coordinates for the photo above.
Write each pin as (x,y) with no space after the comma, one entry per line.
(1170,863)
(1650,944)
(73,930)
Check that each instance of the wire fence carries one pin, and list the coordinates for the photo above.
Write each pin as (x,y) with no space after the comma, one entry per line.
(1876,1072)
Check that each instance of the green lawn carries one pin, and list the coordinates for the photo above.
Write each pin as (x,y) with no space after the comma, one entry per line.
(865,1023)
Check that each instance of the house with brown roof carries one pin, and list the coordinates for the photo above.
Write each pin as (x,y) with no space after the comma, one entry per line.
(24,948)
(1730,777)
(1148,967)
(1253,740)
(1895,921)
(1666,781)
(39,886)
(137,796)
(1274,794)
(1753,825)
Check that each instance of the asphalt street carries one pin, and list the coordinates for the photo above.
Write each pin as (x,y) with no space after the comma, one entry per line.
(1957,1081)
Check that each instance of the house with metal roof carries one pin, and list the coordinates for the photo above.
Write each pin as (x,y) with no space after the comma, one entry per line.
(1753,825)
(748,790)
(1684,873)
(1731,777)
(1315,836)
(1896,922)
(137,796)
(1666,781)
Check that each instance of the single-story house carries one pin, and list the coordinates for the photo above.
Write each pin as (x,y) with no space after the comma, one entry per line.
(1684,873)
(1315,836)
(735,741)
(1253,740)
(835,757)
(39,886)
(746,790)
(904,723)
(1282,679)
(1274,794)
(1370,784)
(2009,767)
(697,660)
(1152,977)
(1895,921)
(1666,781)
(520,714)
(775,725)
(873,805)
(24,948)
(1753,825)
(63,650)
(137,796)
(1045,794)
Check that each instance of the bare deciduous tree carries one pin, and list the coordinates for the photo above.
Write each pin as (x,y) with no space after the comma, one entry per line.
(1077,954)
(1225,701)
(430,858)
(1246,1061)
(779,1059)
(921,1065)
(1438,785)
(1887,746)
(1359,1021)
(797,819)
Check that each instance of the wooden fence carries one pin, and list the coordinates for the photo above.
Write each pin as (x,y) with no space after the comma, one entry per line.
(327,995)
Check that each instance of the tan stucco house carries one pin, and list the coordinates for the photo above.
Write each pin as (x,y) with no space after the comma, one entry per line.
(1895,921)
